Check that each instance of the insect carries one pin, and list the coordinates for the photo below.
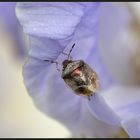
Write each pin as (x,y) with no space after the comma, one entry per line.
(79,76)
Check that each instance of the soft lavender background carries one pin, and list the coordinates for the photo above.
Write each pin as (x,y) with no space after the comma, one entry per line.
(19,118)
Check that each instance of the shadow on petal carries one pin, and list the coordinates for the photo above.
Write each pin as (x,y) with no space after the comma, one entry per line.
(132,127)
(102,111)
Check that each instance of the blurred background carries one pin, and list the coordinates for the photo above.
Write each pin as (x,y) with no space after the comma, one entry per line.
(18,115)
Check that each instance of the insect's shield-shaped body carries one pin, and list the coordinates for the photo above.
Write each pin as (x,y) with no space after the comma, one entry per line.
(80,77)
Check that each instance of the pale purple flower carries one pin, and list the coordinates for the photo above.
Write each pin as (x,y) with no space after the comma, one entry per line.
(52,28)
(116,46)
(11,23)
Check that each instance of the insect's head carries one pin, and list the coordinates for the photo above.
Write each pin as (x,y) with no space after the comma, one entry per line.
(65,63)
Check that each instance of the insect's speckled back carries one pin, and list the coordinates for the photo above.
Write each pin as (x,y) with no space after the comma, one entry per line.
(70,67)
(81,78)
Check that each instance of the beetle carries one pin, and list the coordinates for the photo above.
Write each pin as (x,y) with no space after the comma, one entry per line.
(79,76)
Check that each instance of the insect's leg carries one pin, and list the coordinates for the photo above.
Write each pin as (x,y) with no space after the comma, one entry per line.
(57,66)
(94,95)
(88,97)
(52,61)
(71,50)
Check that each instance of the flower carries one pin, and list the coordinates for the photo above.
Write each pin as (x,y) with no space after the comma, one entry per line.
(122,98)
(52,28)
(12,27)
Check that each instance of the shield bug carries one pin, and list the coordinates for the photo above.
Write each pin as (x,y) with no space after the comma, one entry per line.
(79,76)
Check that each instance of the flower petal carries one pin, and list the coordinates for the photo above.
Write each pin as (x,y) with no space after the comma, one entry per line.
(102,111)
(94,59)
(52,96)
(115,97)
(47,19)
(44,48)
(54,20)
(44,84)
(111,108)
(132,127)
(114,38)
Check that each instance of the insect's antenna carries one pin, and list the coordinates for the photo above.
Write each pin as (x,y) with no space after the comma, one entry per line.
(67,55)
(52,61)
(71,50)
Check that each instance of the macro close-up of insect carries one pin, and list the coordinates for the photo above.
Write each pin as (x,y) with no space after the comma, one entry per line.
(63,73)
(78,75)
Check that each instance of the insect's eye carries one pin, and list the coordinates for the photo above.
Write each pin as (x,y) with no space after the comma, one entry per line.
(76,72)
